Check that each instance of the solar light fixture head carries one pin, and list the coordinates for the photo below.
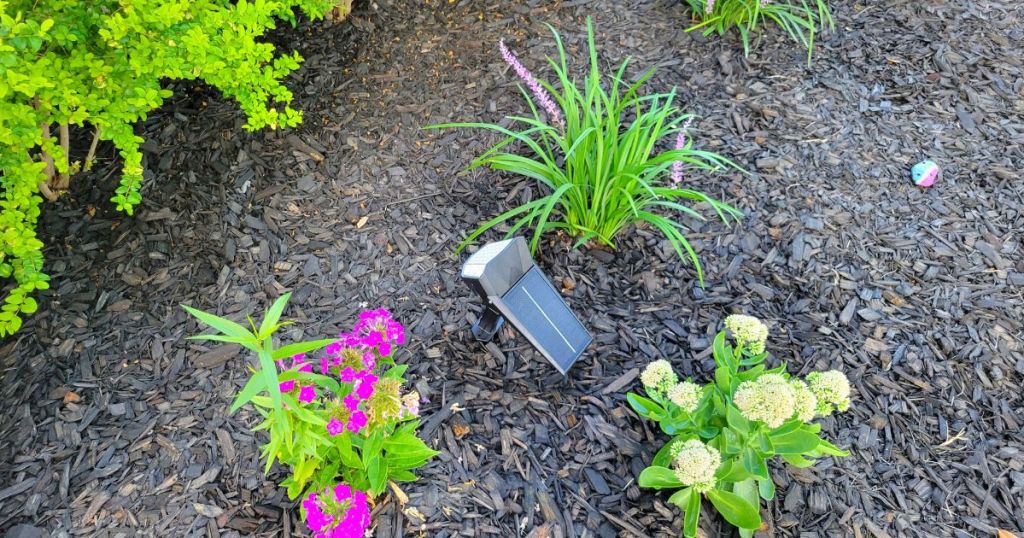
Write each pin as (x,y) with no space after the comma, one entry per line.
(513,288)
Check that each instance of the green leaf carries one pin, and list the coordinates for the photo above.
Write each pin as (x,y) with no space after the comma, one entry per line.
(828,449)
(732,471)
(396,372)
(254,386)
(692,516)
(298,348)
(401,475)
(645,407)
(664,455)
(372,447)
(272,316)
(681,498)
(377,473)
(348,456)
(766,488)
(734,509)
(225,326)
(301,474)
(754,464)
(29,305)
(748,491)
(797,442)
(736,419)
(723,354)
(658,478)
(268,371)
(798,461)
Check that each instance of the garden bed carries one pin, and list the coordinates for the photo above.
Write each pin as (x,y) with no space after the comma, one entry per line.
(114,422)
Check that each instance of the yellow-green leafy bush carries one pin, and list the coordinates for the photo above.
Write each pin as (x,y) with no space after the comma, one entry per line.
(98,65)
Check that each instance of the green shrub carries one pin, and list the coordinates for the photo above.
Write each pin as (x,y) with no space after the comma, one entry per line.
(724,432)
(604,171)
(800,19)
(98,65)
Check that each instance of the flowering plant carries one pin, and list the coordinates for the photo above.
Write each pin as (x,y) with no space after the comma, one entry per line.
(340,422)
(801,20)
(603,172)
(724,432)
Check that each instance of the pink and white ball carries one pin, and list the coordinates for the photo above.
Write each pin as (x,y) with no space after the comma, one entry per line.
(925,174)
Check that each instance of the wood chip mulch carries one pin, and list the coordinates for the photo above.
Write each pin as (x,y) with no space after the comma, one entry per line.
(115,425)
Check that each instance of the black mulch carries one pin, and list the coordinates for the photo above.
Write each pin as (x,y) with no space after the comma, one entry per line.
(115,425)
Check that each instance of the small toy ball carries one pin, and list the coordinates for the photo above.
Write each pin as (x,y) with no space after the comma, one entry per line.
(925,173)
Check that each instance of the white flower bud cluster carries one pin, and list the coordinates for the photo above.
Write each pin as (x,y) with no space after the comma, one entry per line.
(695,464)
(832,389)
(658,377)
(748,331)
(686,395)
(805,404)
(769,399)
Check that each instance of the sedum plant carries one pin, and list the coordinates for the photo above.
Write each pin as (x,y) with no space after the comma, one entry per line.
(596,148)
(340,422)
(97,66)
(801,19)
(724,432)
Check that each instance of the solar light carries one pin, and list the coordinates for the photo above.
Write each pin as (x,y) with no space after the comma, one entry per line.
(513,288)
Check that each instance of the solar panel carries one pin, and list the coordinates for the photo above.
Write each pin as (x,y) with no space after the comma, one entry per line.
(537,310)
(514,288)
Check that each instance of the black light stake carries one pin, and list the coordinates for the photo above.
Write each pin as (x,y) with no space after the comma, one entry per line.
(514,288)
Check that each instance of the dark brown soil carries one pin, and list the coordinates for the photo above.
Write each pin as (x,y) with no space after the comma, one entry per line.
(115,425)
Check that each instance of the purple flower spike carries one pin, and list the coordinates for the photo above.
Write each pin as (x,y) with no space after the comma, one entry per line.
(538,91)
(710,7)
(677,166)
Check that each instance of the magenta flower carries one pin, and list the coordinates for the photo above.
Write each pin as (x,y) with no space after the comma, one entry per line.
(286,386)
(364,390)
(677,166)
(307,394)
(347,515)
(356,422)
(369,360)
(351,402)
(335,426)
(316,519)
(538,91)
(348,375)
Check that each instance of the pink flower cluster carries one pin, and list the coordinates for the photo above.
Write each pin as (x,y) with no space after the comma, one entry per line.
(307,393)
(353,357)
(338,512)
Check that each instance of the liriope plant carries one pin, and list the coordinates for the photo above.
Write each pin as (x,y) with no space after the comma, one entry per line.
(801,19)
(599,150)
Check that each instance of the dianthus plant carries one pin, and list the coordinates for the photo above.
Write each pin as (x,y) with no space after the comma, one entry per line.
(724,432)
(339,421)
(607,156)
